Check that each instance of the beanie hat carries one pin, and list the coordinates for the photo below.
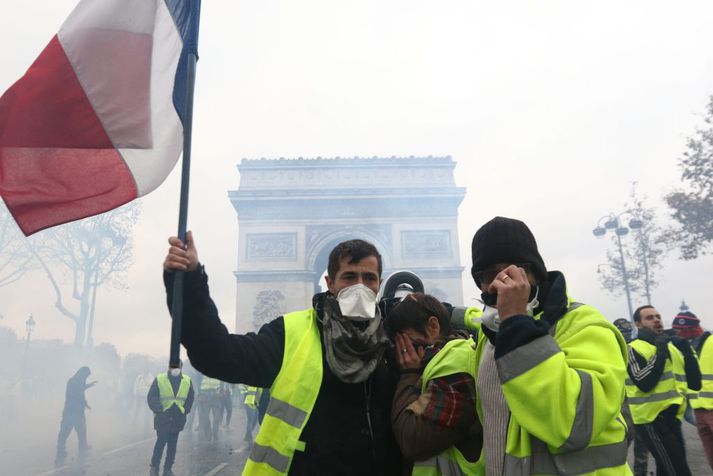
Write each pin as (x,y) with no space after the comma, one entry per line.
(685,320)
(506,240)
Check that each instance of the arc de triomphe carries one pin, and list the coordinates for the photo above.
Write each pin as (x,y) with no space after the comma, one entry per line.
(292,212)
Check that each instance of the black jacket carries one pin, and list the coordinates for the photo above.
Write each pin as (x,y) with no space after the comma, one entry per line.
(171,420)
(349,430)
(74,400)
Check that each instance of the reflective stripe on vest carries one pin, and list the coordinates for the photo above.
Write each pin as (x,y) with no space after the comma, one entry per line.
(646,406)
(587,460)
(704,398)
(165,392)
(457,356)
(583,452)
(292,397)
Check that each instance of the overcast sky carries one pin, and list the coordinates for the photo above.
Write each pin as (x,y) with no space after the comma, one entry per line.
(550,109)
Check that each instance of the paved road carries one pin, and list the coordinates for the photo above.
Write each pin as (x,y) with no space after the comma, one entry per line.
(120,450)
(225,457)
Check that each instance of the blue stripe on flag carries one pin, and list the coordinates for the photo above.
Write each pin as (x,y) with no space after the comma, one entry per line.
(186,15)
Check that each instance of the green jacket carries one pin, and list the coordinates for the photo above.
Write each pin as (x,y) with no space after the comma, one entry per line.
(564,390)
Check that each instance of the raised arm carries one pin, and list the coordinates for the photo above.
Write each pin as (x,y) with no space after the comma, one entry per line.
(254,359)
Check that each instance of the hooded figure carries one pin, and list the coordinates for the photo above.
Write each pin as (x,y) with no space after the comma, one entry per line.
(73,415)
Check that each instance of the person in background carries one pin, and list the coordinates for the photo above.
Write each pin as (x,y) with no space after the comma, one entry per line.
(225,396)
(624,326)
(251,397)
(433,414)
(75,403)
(209,406)
(688,326)
(660,372)
(170,398)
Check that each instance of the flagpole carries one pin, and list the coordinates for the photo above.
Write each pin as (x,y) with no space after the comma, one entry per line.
(191,47)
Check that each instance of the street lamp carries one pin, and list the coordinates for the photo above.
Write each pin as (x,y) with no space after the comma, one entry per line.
(614,224)
(29,327)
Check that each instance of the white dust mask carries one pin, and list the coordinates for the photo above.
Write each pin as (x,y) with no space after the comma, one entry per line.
(175,372)
(491,319)
(357,301)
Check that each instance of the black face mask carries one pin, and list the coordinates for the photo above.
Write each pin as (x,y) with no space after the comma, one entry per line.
(492,299)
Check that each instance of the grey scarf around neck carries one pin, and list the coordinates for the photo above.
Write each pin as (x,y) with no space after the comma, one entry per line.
(352,352)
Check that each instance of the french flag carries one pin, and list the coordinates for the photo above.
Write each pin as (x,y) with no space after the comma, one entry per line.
(97,120)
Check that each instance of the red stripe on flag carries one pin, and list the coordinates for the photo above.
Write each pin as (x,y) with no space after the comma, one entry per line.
(57,163)
(47,187)
(47,107)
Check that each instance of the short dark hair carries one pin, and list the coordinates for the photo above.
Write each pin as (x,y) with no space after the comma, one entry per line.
(413,312)
(637,313)
(357,250)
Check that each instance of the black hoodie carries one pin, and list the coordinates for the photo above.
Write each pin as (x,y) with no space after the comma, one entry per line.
(74,401)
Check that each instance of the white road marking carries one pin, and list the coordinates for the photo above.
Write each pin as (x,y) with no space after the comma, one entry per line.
(240,450)
(61,468)
(216,470)
(128,446)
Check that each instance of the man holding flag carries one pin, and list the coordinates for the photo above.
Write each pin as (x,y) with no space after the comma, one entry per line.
(331,380)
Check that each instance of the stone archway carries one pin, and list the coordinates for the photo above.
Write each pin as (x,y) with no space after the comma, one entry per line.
(291,213)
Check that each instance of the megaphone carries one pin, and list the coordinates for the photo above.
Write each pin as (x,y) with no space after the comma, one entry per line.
(397,286)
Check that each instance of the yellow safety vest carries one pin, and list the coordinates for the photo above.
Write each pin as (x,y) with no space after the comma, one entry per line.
(292,397)
(166,395)
(559,429)
(473,318)
(210,384)
(704,398)
(250,395)
(670,389)
(457,356)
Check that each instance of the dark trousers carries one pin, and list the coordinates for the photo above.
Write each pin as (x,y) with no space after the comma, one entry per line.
(227,406)
(164,438)
(665,441)
(251,421)
(209,406)
(641,454)
(69,422)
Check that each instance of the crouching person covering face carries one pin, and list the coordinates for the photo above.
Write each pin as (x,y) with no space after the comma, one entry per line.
(551,371)
(433,414)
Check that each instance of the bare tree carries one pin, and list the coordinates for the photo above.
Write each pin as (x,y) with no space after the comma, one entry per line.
(87,254)
(268,305)
(693,206)
(15,257)
(643,251)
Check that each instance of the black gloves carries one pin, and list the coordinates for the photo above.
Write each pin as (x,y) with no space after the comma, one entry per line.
(682,345)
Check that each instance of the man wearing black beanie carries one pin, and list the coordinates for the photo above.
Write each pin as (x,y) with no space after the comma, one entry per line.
(551,370)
